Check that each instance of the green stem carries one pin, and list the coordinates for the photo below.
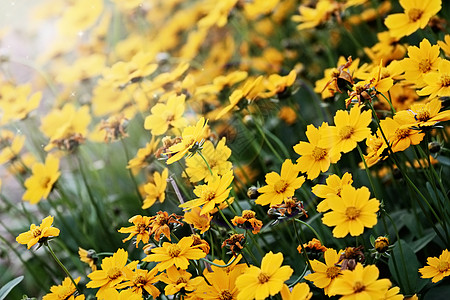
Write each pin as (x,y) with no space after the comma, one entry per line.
(220,266)
(204,159)
(299,277)
(311,228)
(136,187)
(308,263)
(61,265)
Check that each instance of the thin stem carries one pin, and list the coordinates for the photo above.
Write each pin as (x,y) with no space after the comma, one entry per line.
(61,265)
(220,266)
(299,277)
(136,187)
(204,159)
(311,228)
(303,248)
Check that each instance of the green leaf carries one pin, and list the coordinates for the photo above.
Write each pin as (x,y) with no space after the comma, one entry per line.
(4,291)
(404,267)
(440,292)
(422,242)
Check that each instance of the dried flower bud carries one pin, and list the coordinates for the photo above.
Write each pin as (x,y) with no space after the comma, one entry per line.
(252,192)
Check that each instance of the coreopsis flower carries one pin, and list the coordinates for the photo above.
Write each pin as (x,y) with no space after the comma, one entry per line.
(393,294)
(398,133)
(89,257)
(191,140)
(156,190)
(416,15)
(140,281)
(277,85)
(199,221)
(300,291)
(388,48)
(333,187)
(421,61)
(200,243)
(17,102)
(260,283)
(140,229)
(222,81)
(445,45)
(311,17)
(217,158)
(315,155)
(61,124)
(337,79)
(437,82)
(325,274)
(288,115)
(179,280)
(113,270)
(163,223)
(64,291)
(38,234)
(250,91)
(361,282)
(350,257)
(235,242)
(314,248)
(402,97)
(11,150)
(41,182)
(381,244)
(290,208)
(115,128)
(437,268)
(248,221)
(280,187)
(350,128)
(427,114)
(166,116)
(177,254)
(214,193)
(351,212)
(376,147)
(144,155)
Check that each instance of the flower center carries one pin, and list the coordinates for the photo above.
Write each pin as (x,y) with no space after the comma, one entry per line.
(174,250)
(181,280)
(44,182)
(141,227)
(346,132)
(423,116)
(263,278)
(352,212)
(280,187)
(226,295)
(358,287)
(319,153)
(139,281)
(114,273)
(425,65)
(209,196)
(333,272)
(443,266)
(36,232)
(445,80)
(401,133)
(415,14)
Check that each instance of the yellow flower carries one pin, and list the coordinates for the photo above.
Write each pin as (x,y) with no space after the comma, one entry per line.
(214,193)
(144,155)
(112,273)
(445,45)
(300,291)
(223,281)
(351,212)
(200,222)
(416,15)
(14,102)
(64,291)
(361,283)
(191,140)
(398,133)
(248,221)
(41,182)
(175,254)
(280,187)
(162,223)
(156,190)
(79,16)
(177,280)
(427,114)
(258,283)
(89,257)
(376,145)
(140,229)
(38,234)
(422,60)
(217,159)
(313,17)
(11,151)
(166,116)
(316,155)
(438,82)
(393,294)
(140,281)
(326,273)
(351,128)
(332,188)
(437,268)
